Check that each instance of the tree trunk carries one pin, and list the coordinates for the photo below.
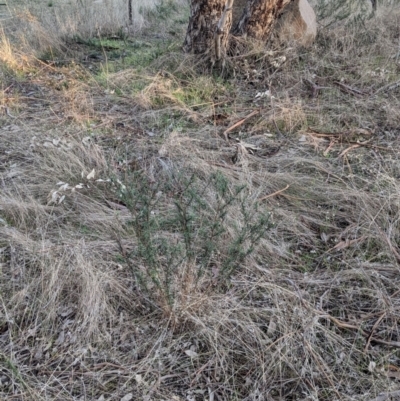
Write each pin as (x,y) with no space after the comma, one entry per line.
(205,16)
(130,12)
(211,20)
(258,18)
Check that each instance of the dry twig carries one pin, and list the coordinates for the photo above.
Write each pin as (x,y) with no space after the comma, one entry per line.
(274,193)
(239,123)
(351,90)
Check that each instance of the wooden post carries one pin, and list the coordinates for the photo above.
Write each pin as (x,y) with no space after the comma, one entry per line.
(130,12)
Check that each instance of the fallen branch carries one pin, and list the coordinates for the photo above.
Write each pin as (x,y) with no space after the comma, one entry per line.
(8,112)
(274,193)
(239,123)
(342,135)
(356,131)
(314,87)
(347,150)
(346,244)
(344,325)
(388,87)
(373,330)
(369,145)
(350,90)
(331,145)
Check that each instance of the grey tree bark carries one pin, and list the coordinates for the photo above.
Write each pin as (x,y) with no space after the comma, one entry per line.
(258,18)
(130,12)
(205,24)
(210,23)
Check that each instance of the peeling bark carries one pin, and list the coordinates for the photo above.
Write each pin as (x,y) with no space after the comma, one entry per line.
(204,18)
(222,31)
(211,20)
(258,18)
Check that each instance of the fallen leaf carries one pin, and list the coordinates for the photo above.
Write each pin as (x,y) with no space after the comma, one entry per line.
(90,176)
(191,353)
(54,196)
(371,366)
(271,328)
(116,206)
(127,397)
(60,338)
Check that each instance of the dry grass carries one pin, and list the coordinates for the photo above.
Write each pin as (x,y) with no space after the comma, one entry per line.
(84,17)
(311,313)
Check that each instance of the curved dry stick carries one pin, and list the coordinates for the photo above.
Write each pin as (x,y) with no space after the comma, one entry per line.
(240,122)
(274,193)
(372,331)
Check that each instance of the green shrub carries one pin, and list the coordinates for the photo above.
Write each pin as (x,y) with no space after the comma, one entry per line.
(349,11)
(187,230)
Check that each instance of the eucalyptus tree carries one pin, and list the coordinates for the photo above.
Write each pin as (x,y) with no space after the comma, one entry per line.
(212,21)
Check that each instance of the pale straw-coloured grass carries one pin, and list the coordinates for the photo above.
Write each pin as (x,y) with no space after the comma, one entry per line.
(310,314)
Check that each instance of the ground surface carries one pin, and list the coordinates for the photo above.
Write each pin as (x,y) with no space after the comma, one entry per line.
(171,234)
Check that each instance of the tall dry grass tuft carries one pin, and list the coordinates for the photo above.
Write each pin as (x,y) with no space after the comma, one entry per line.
(6,52)
(87,18)
(65,282)
(12,60)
